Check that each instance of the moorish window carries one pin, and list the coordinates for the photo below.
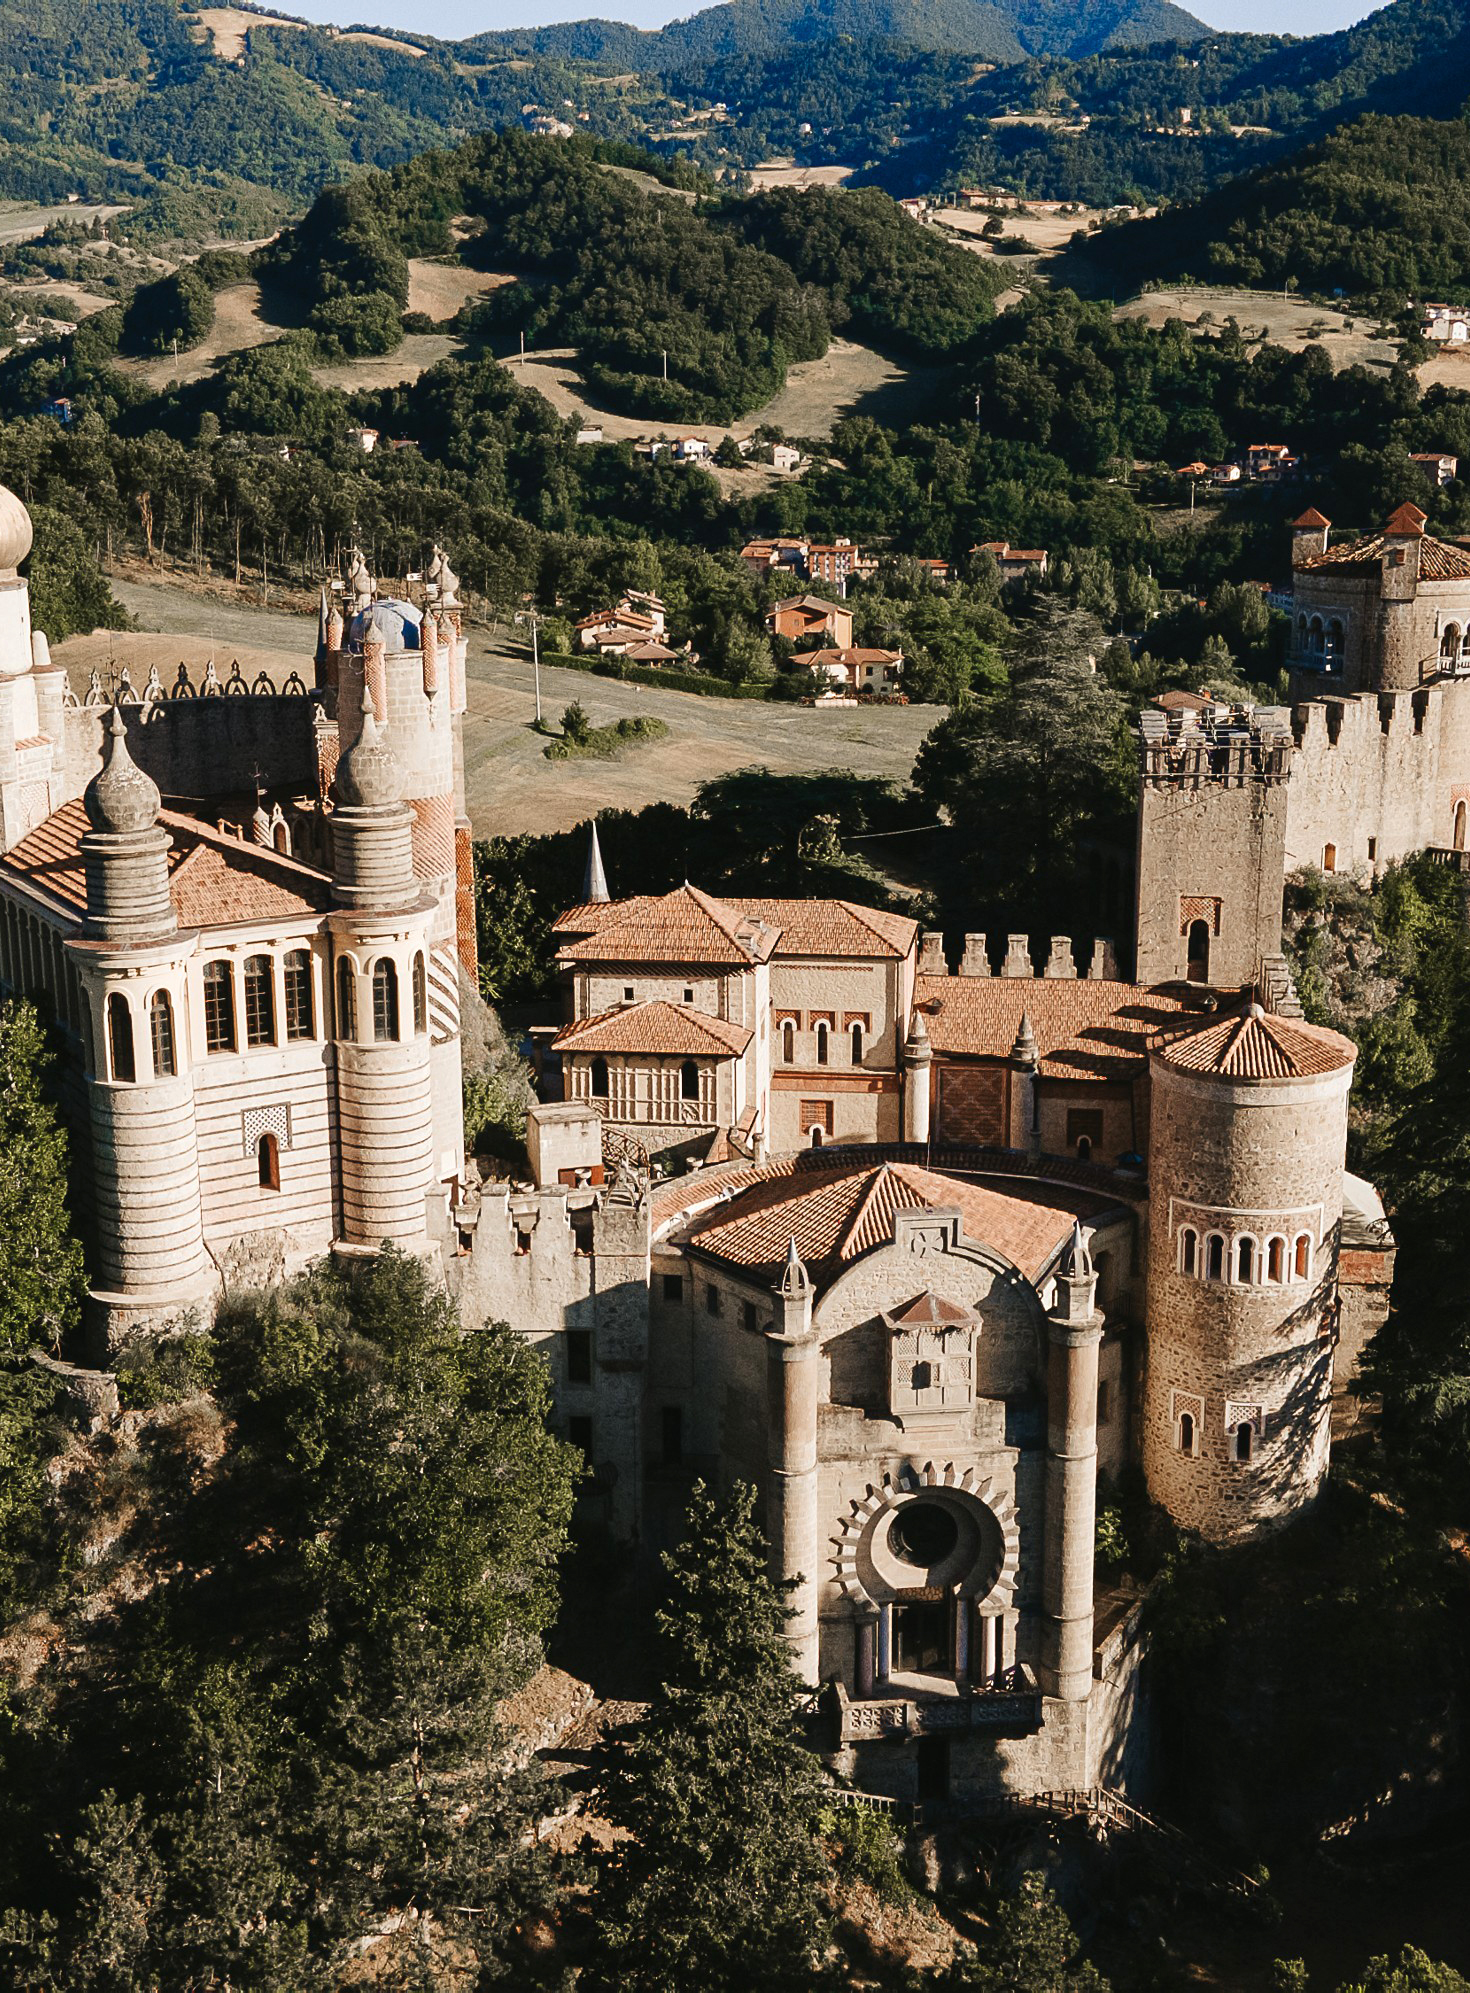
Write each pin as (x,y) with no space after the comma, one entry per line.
(120,1038)
(161,1031)
(300,1022)
(385,1000)
(260,1001)
(219,1007)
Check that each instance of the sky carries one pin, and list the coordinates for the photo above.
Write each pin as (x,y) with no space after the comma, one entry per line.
(454,18)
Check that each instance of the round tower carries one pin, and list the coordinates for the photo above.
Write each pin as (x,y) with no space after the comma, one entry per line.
(1247,1137)
(381,942)
(148,1221)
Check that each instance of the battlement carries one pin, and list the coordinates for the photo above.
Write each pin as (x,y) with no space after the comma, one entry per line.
(1248,745)
(1061,964)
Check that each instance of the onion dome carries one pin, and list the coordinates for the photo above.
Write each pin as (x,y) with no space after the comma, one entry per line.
(367,775)
(121,797)
(389,621)
(15,531)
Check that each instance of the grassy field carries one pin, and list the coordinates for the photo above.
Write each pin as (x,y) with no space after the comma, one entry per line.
(1267,315)
(510,785)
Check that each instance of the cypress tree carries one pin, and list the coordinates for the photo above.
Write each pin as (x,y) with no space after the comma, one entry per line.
(720,1881)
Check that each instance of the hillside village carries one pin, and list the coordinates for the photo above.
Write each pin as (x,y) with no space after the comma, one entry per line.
(734,996)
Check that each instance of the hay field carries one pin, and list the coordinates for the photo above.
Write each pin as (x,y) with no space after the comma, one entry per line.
(1281,321)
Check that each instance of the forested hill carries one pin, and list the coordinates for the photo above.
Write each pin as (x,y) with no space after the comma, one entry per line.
(1381,209)
(997,30)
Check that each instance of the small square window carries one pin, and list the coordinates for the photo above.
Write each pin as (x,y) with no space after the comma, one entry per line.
(1372,850)
(627,993)
(749,1317)
(673,1287)
(712,1301)
(688,996)
(579,1356)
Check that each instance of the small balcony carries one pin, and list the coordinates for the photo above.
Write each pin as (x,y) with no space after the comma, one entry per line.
(1008,1705)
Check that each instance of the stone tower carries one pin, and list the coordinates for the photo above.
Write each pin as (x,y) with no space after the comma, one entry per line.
(32,688)
(132,959)
(381,936)
(1248,1131)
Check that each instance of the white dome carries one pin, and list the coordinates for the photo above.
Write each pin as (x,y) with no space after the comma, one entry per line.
(15,531)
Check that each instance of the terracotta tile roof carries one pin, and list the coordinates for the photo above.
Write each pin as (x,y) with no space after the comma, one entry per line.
(835,927)
(818,604)
(690,920)
(623,619)
(837,1216)
(217,881)
(1084,1029)
(668,1028)
(1438,559)
(1256,1046)
(1312,517)
(683,926)
(930,1308)
(848,655)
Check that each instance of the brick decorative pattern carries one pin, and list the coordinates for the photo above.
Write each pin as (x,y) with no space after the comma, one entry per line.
(466,926)
(433,837)
(1196,906)
(972,1105)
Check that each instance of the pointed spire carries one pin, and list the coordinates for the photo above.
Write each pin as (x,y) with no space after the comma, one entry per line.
(795,1279)
(1025,1050)
(594,879)
(1078,1263)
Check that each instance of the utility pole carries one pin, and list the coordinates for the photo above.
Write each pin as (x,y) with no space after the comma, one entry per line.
(665,352)
(533,618)
(523,349)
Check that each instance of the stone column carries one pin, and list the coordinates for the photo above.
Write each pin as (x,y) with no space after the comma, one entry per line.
(1075,1333)
(918,1062)
(793,1376)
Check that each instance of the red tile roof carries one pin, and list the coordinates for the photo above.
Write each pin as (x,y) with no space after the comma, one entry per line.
(838,1216)
(1312,517)
(835,928)
(1438,559)
(708,926)
(852,654)
(217,881)
(1260,1047)
(670,1029)
(1087,1030)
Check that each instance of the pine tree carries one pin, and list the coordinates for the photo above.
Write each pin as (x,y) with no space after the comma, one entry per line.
(1030,1947)
(721,1879)
(42,1277)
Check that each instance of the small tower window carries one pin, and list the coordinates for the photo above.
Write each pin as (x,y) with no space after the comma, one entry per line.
(1302,1259)
(161,1031)
(599,1081)
(120,1038)
(1458,834)
(1276,1260)
(1329,858)
(1242,1441)
(1186,1433)
(420,995)
(346,999)
(689,1080)
(268,1162)
(1188,1250)
(219,1007)
(788,1043)
(1245,1260)
(1197,968)
(260,1001)
(300,1022)
(821,1044)
(1214,1257)
(385,1001)
(857,1044)
(818,1137)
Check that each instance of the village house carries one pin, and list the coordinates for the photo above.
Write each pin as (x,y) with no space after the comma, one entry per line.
(859,668)
(1268,461)
(637,619)
(1446,324)
(802,617)
(937,570)
(1016,564)
(771,556)
(837,563)
(785,457)
(1437,465)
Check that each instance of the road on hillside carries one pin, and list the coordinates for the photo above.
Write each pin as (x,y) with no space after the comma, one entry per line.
(510,786)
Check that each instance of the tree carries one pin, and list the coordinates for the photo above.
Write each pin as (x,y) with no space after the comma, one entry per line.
(719,1882)
(1026,771)
(70,595)
(1030,1947)
(42,1276)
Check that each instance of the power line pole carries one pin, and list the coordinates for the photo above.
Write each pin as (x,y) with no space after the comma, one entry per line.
(532,617)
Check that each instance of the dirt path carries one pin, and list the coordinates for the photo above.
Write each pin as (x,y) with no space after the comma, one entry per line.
(510,785)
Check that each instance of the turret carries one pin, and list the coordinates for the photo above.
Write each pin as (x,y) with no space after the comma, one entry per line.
(793,1391)
(1074,1334)
(1247,1139)
(149,1229)
(918,1066)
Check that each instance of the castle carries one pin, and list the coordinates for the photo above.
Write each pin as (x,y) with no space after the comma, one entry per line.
(927,1255)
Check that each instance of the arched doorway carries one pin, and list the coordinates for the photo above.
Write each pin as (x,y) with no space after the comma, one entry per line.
(1198,962)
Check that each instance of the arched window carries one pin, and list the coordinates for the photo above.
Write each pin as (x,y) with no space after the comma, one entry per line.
(689,1080)
(1245,1260)
(1214,1257)
(788,1043)
(282,839)
(1316,637)
(1242,1440)
(600,1088)
(1459,832)
(1186,1433)
(1334,643)
(1302,1258)
(420,995)
(1276,1260)
(1449,646)
(346,998)
(1329,858)
(1084,1148)
(1197,968)
(260,1001)
(300,1021)
(120,1038)
(385,1000)
(1188,1250)
(219,1007)
(268,1162)
(821,1044)
(857,1044)
(818,1137)
(161,1031)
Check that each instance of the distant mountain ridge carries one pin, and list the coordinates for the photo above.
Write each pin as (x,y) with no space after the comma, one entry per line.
(997,30)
